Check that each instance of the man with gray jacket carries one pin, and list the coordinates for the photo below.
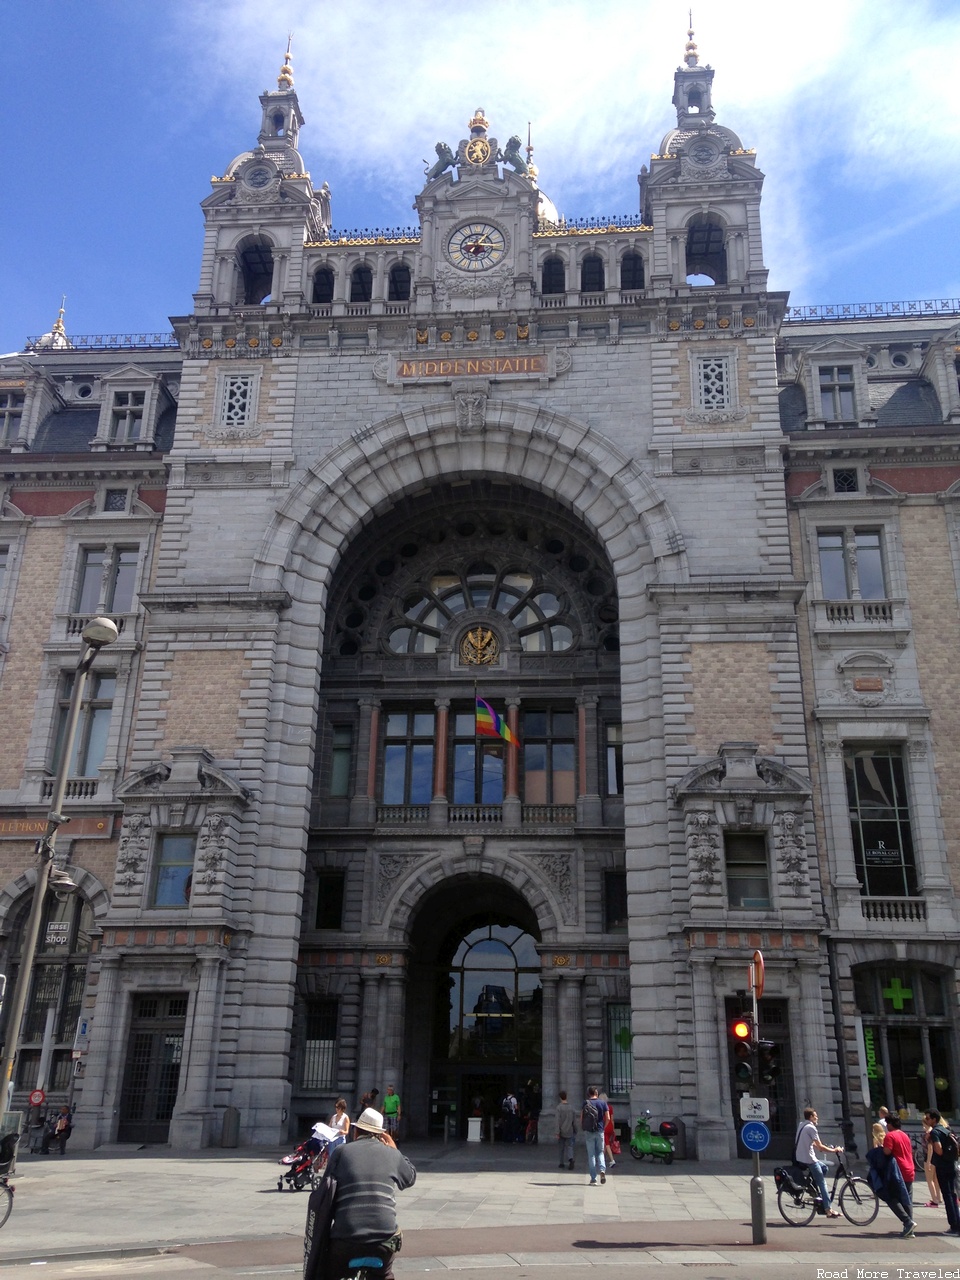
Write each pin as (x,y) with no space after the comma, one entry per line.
(566,1130)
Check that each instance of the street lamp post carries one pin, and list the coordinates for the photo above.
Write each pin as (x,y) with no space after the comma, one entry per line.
(97,633)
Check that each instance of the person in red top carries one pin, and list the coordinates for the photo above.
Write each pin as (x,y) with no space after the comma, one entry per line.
(897,1144)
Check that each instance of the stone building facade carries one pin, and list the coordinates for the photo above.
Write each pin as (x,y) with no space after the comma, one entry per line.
(573,469)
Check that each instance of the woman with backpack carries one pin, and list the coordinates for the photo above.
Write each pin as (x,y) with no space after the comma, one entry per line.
(945,1150)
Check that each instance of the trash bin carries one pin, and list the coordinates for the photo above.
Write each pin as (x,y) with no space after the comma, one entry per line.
(230,1130)
(474,1127)
(676,1131)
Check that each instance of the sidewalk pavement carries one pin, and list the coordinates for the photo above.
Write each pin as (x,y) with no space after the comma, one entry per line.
(498,1209)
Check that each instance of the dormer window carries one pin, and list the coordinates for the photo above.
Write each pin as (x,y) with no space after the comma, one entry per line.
(837,402)
(126,417)
(11,412)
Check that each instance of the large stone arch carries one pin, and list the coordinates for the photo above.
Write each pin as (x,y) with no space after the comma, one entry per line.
(12,894)
(364,475)
(541,887)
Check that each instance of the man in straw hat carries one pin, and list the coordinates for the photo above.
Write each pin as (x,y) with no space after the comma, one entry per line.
(354,1211)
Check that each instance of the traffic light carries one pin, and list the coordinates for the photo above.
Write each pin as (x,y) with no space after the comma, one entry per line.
(741,1029)
(768,1052)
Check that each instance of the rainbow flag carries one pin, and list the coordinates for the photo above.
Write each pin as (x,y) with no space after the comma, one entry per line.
(490,725)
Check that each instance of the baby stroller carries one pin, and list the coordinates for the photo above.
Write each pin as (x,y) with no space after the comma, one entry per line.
(305,1164)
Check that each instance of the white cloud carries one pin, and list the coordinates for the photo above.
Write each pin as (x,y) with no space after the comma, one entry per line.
(840,98)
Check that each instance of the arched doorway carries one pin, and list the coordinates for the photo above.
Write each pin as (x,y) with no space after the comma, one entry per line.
(474,1026)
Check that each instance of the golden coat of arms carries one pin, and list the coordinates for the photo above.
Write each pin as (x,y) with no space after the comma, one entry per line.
(479,648)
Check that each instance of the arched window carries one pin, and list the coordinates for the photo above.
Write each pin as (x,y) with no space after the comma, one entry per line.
(706,254)
(694,102)
(591,274)
(490,999)
(631,271)
(256,273)
(554,278)
(361,284)
(58,984)
(398,287)
(323,285)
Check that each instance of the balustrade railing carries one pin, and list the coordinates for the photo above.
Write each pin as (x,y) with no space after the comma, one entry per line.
(893,909)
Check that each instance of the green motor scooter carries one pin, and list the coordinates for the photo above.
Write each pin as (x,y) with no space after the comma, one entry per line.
(644,1143)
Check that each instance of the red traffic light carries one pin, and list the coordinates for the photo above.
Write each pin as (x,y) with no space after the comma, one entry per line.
(742,1029)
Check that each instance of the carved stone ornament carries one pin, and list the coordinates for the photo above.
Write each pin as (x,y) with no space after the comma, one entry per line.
(241,431)
(381,366)
(471,410)
(212,849)
(480,647)
(790,844)
(563,360)
(453,283)
(556,868)
(714,416)
(390,868)
(133,848)
(703,848)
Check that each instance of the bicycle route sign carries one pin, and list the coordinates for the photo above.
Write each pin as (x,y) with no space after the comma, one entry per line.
(755,1136)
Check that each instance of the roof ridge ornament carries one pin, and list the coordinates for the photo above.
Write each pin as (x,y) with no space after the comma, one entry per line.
(690,55)
(285,78)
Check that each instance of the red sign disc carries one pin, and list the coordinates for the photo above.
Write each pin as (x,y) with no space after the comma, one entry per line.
(37,1098)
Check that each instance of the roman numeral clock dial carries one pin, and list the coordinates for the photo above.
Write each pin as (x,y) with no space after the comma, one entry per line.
(476,246)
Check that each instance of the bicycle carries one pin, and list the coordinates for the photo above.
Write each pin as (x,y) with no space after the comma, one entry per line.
(7,1147)
(797,1199)
(364,1268)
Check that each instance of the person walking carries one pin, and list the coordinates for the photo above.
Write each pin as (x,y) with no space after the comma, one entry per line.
(609,1133)
(805,1148)
(933,1187)
(566,1130)
(592,1117)
(897,1144)
(392,1111)
(945,1152)
(369,1099)
(885,1177)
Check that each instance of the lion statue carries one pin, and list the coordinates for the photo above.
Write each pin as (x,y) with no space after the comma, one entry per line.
(445,158)
(513,157)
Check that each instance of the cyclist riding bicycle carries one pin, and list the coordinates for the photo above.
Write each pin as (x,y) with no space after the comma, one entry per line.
(805,1147)
(354,1211)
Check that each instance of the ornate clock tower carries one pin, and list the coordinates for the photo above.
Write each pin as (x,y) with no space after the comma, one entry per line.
(477,225)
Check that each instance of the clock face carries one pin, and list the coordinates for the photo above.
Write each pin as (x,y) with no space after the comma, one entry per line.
(476,246)
(703,153)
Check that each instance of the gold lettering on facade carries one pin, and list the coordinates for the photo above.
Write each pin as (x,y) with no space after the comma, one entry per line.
(472,367)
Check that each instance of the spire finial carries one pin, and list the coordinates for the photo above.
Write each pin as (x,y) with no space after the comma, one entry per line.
(690,56)
(285,78)
(531,167)
(58,323)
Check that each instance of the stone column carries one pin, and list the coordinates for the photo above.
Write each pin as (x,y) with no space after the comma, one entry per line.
(391,1030)
(549,1085)
(512,807)
(96,1119)
(363,806)
(369,1038)
(276,279)
(809,1032)
(192,1123)
(713,1130)
(439,803)
(570,1049)
(589,804)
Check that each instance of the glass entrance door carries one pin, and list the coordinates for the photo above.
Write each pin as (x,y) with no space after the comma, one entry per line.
(151,1076)
(487,1036)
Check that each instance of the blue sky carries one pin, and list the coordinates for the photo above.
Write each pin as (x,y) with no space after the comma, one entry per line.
(117,112)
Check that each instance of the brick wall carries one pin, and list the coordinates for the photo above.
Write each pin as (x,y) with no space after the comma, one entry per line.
(936,636)
(31,616)
(204,701)
(731,693)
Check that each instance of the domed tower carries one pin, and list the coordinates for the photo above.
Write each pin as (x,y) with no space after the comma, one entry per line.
(702,194)
(260,213)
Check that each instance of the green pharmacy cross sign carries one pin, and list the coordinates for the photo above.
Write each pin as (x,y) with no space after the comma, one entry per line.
(897,994)
(623,1039)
